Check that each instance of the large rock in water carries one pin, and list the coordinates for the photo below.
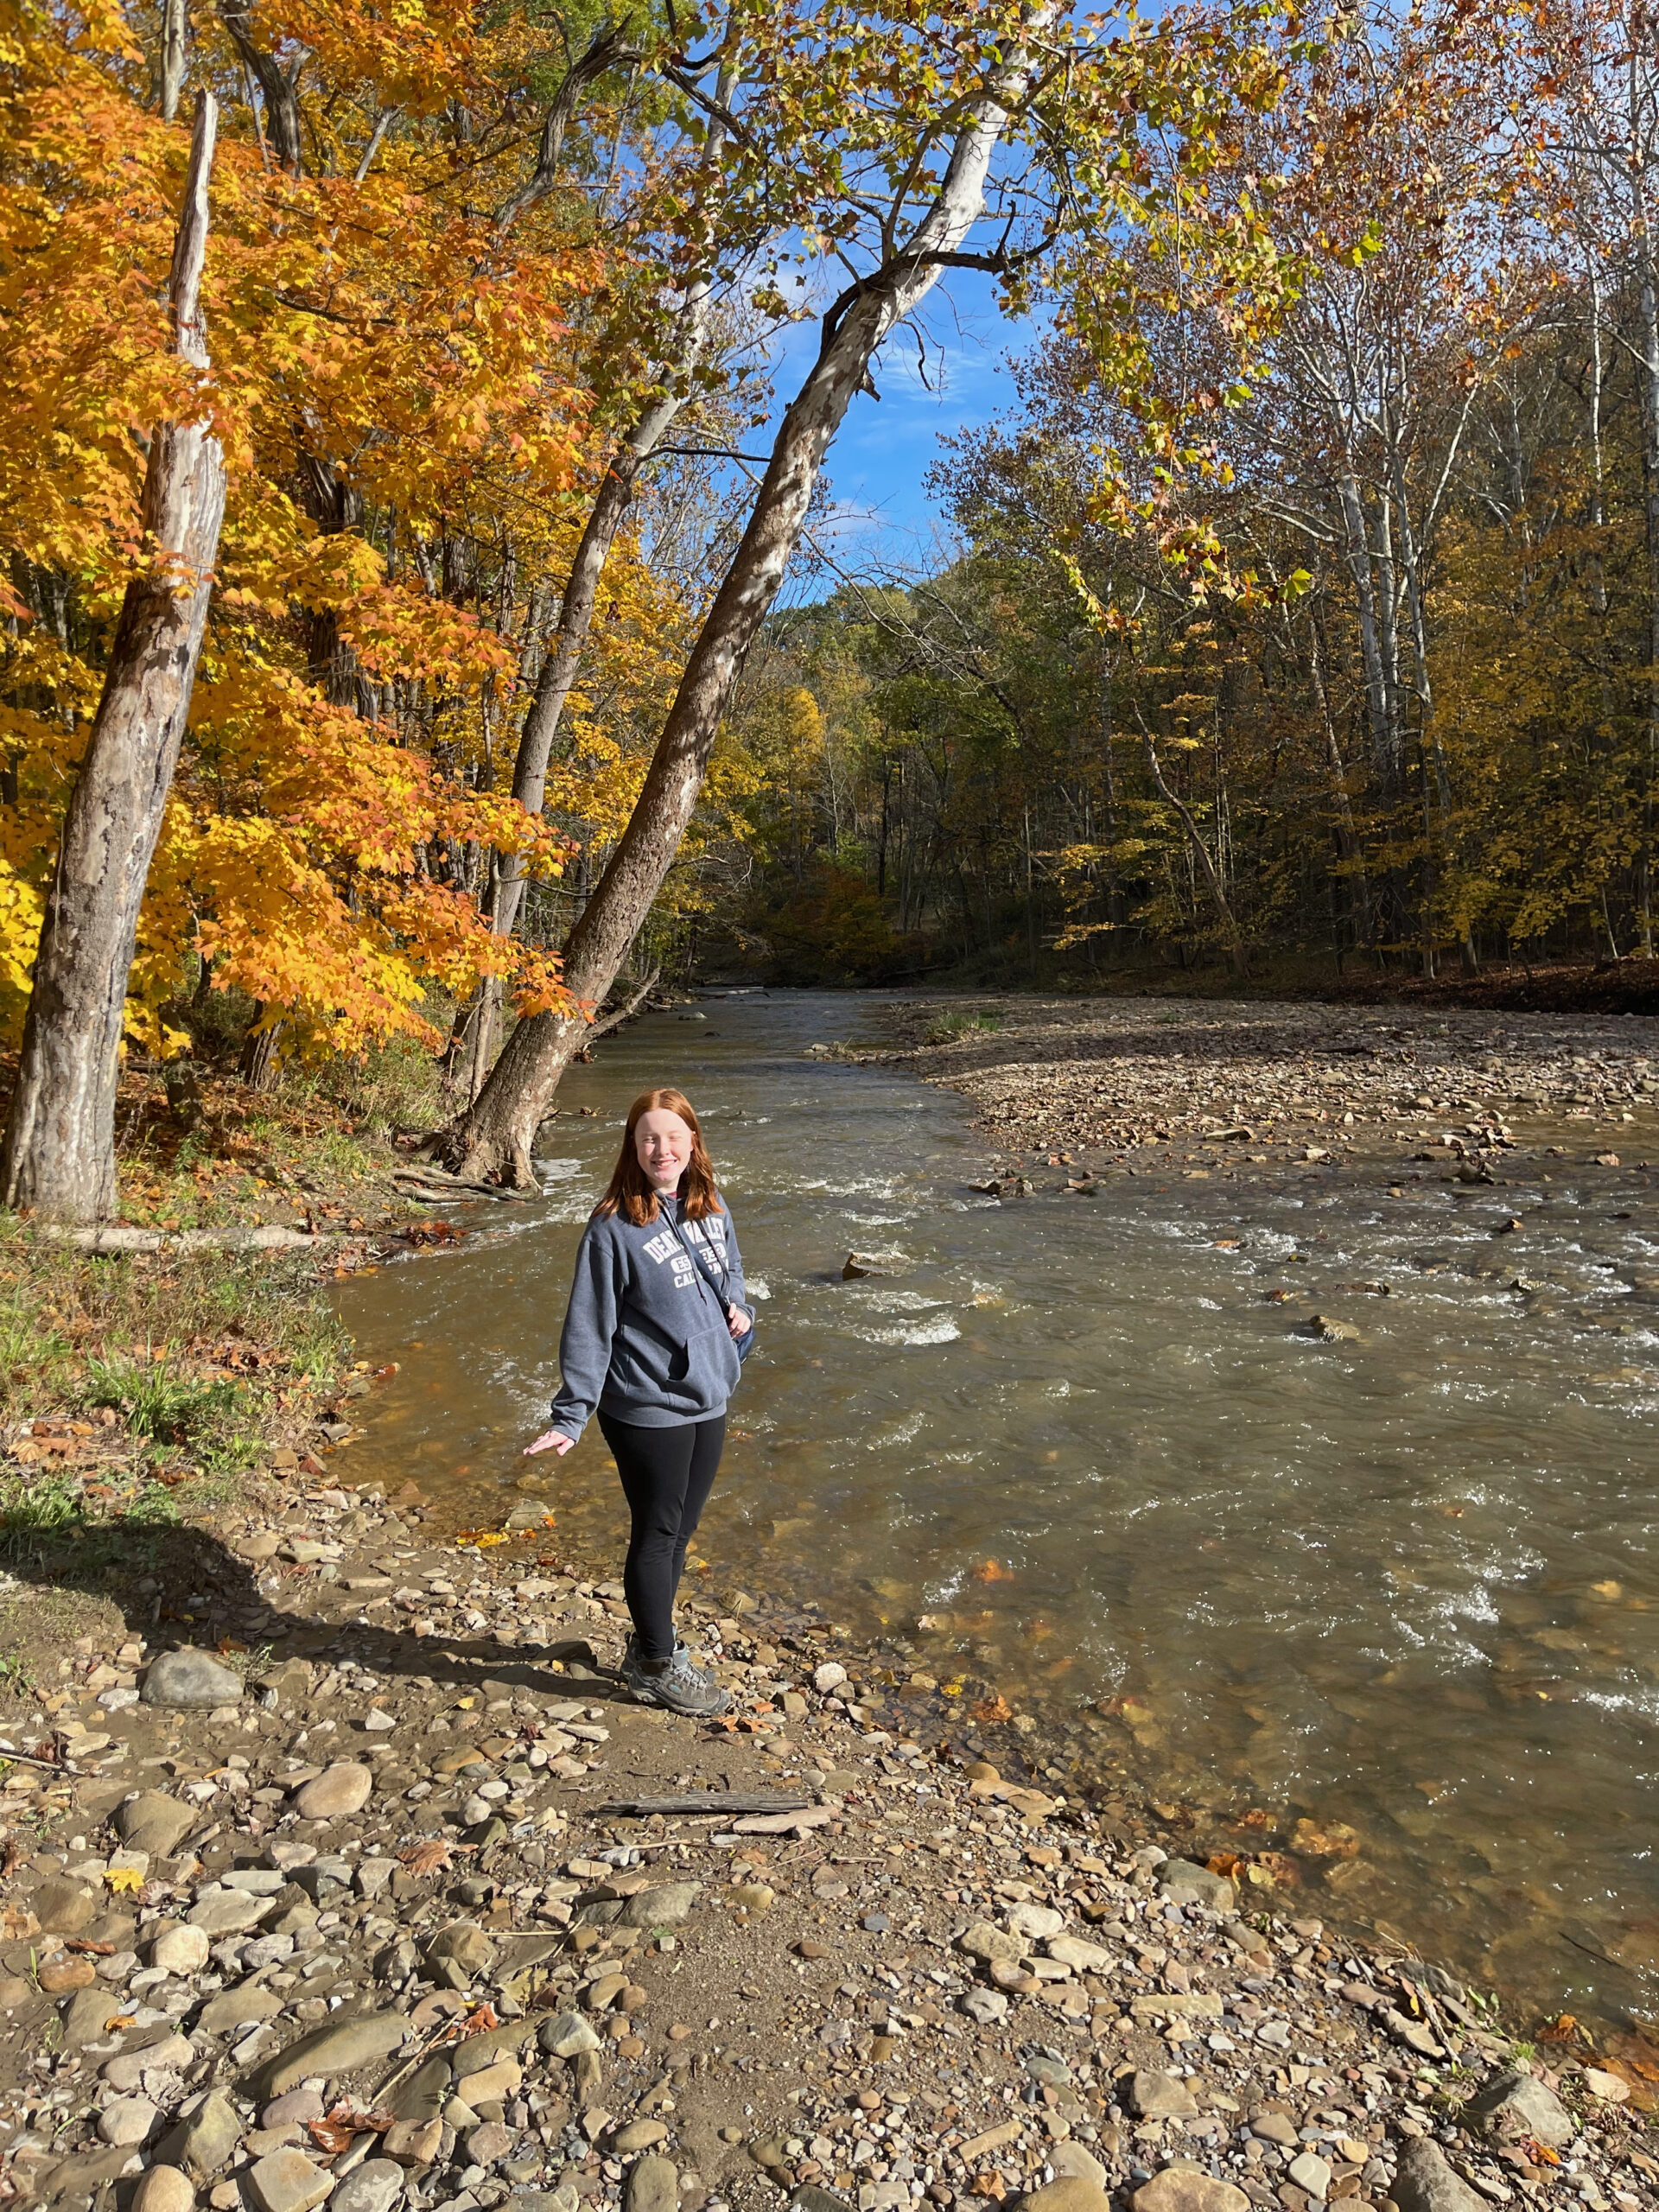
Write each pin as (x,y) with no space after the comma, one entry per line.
(1424,2183)
(189,1678)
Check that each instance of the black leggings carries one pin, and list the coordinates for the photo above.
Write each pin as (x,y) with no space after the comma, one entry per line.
(667,1474)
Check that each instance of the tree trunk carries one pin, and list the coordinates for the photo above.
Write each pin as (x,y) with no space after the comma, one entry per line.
(176,42)
(59,1158)
(1648,305)
(493,1134)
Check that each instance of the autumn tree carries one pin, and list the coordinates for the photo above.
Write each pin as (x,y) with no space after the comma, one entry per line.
(878,138)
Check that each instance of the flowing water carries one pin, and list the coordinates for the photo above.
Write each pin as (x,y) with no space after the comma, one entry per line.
(1403,1590)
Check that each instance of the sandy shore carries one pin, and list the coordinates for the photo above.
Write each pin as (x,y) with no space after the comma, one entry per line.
(375,1922)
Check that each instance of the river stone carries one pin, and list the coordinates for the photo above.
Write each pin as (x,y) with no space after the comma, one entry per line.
(828,1677)
(414,2142)
(189,1678)
(228,1912)
(1424,2183)
(654,2186)
(1513,2104)
(286,2180)
(1081,1958)
(1312,2173)
(639,2135)
(300,2106)
(566,2035)
(181,1951)
(986,2005)
(128,2119)
(984,1942)
(334,2048)
(495,2085)
(667,1906)
(87,2015)
(164,2188)
(125,2072)
(421,2097)
(810,2198)
(1037,1921)
(375,2186)
(1182,1882)
(1161,2096)
(480,2052)
(63,1907)
(1072,2162)
(337,1791)
(234,2008)
(1068,2194)
(489,2142)
(1184,2188)
(154,1822)
(205,2140)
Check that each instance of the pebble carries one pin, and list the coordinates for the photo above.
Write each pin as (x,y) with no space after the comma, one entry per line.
(128,2119)
(287,2181)
(1183,2188)
(654,2186)
(1313,2173)
(375,2186)
(164,2188)
(336,1793)
(182,1950)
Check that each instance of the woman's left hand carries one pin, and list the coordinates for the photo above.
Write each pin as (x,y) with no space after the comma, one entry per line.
(739,1321)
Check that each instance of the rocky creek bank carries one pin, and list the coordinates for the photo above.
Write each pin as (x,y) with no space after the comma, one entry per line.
(1204,1088)
(381,1895)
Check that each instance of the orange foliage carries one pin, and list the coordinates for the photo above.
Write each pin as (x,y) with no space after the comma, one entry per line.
(408,441)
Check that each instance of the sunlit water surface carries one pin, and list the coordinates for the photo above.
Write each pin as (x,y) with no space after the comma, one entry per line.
(1404,1587)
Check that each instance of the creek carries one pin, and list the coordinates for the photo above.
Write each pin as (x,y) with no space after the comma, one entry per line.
(1401,1590)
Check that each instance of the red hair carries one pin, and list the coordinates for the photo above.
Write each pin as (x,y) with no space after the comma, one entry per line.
(629,1190)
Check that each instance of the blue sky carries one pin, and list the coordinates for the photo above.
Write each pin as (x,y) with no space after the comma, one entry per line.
(884,517)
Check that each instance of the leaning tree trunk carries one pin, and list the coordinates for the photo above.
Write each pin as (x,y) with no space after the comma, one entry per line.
(482,1019)
(59,1158)
(558,674)
(493,1134)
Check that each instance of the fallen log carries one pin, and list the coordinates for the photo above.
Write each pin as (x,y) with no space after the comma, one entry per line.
(111,1236)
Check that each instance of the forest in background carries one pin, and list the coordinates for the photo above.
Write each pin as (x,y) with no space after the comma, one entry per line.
(1367,676)
(397,505)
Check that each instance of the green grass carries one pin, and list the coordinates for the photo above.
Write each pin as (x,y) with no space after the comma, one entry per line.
(947,1028)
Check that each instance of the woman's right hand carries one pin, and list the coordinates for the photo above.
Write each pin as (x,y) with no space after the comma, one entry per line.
(550,1439)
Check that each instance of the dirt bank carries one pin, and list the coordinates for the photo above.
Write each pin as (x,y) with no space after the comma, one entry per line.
(379,1918)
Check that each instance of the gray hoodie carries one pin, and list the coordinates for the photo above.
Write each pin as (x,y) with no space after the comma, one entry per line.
(646,1338)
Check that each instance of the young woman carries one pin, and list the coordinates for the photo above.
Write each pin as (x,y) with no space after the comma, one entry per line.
(649,1340)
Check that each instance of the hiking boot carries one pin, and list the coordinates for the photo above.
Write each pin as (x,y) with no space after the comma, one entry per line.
(676,1685)
(630,1651)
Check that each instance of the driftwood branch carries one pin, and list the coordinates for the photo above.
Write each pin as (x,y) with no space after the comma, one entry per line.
(708,1800)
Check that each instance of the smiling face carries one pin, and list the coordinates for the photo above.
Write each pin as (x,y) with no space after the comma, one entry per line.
(663,1144)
